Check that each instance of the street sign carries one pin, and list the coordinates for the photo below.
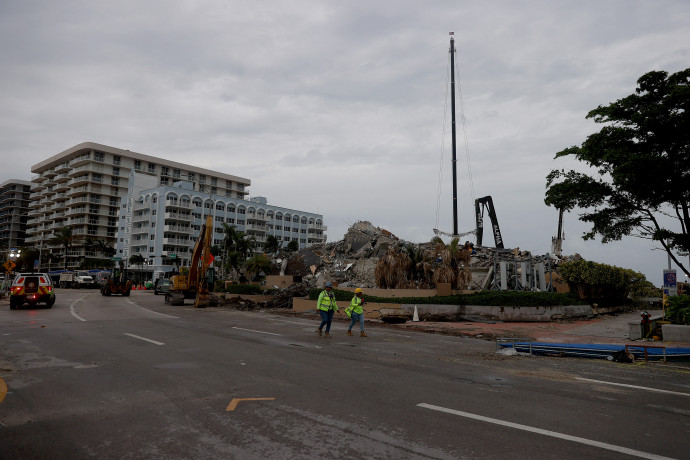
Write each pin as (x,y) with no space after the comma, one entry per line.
(9,265)
(116,259)
(670,284)
(172,256)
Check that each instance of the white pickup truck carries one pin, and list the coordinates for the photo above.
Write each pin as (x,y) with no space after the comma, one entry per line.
(77,280)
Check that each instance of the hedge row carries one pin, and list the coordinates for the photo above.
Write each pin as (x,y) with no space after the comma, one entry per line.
(487,298)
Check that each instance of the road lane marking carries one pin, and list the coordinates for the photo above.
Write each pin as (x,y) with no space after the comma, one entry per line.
(235,401)
(74,313)
(143,338)
(3,389)
(554,434)
(634,386)
(252,330)
(151,311)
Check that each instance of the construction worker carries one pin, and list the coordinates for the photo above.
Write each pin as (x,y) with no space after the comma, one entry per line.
(356,312)
(326,307)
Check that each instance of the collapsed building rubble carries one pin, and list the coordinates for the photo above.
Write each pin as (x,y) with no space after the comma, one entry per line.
(352,262)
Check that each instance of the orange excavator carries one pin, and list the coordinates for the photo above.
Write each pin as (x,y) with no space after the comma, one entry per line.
(197,282)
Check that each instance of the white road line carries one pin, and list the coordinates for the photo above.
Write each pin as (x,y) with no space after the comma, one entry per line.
(567,437)
(144,338)
(151,311)
(634,386)
(71,308)
(252,330)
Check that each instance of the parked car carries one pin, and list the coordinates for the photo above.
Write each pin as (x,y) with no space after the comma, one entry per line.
(162,286)
(31,288)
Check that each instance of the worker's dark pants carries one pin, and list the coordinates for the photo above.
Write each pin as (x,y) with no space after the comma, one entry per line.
(326,318)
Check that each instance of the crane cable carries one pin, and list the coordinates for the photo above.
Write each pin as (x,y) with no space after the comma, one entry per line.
(443,138)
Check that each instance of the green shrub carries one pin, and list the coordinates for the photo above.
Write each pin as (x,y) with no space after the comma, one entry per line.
(600,282)
(678,309)
(486,298)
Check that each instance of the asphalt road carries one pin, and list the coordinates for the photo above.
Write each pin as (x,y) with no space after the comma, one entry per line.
(130,378)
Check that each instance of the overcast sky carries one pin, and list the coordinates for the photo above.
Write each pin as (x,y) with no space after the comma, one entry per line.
(340,108)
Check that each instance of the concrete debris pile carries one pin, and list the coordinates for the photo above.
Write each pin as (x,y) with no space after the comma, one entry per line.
(283,299)
(352,261)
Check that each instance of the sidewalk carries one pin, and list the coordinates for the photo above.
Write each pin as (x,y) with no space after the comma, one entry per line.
(602,330)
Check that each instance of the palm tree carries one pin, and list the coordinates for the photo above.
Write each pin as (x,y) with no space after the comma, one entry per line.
(66,238)
(257,264)
(236,246)
(138,259)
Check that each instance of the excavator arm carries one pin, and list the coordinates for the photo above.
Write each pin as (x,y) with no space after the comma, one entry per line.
(479,205)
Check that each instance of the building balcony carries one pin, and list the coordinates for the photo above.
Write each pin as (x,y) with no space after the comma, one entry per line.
(49,173)
(63,168)
(38,178)
(178,216)
(255,227)
(76,211)
(140,230)
(178,229)
(178,204)
(81,180)
(61,187)
(177,242)
(81,160)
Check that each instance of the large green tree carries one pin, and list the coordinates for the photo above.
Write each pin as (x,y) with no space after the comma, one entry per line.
(638,180)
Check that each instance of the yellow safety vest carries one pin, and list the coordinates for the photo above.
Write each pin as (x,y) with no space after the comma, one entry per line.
(327,301)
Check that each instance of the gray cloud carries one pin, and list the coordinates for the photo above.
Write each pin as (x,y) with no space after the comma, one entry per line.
(339,107)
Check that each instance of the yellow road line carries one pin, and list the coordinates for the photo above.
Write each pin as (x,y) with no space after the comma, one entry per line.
(235,401)
(3,389)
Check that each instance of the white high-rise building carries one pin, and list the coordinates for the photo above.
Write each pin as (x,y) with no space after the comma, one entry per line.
(83,188)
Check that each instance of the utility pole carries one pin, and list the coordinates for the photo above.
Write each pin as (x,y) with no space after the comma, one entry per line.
(452,109)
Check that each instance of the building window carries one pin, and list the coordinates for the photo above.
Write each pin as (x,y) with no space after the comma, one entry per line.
(214,191)
(230,220)
(202,179)
(279,227)
(137,165)
(96,177)
(176,173)
(214,181)
(219,219)
(164,181)
(220,207)
(116,170)
(242,211)
(117,160)
(154,200)
(115,181)
(190,176)
(287,229)
(241,222)
(295,218)
(152,168)
(165,171)
(98,156)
